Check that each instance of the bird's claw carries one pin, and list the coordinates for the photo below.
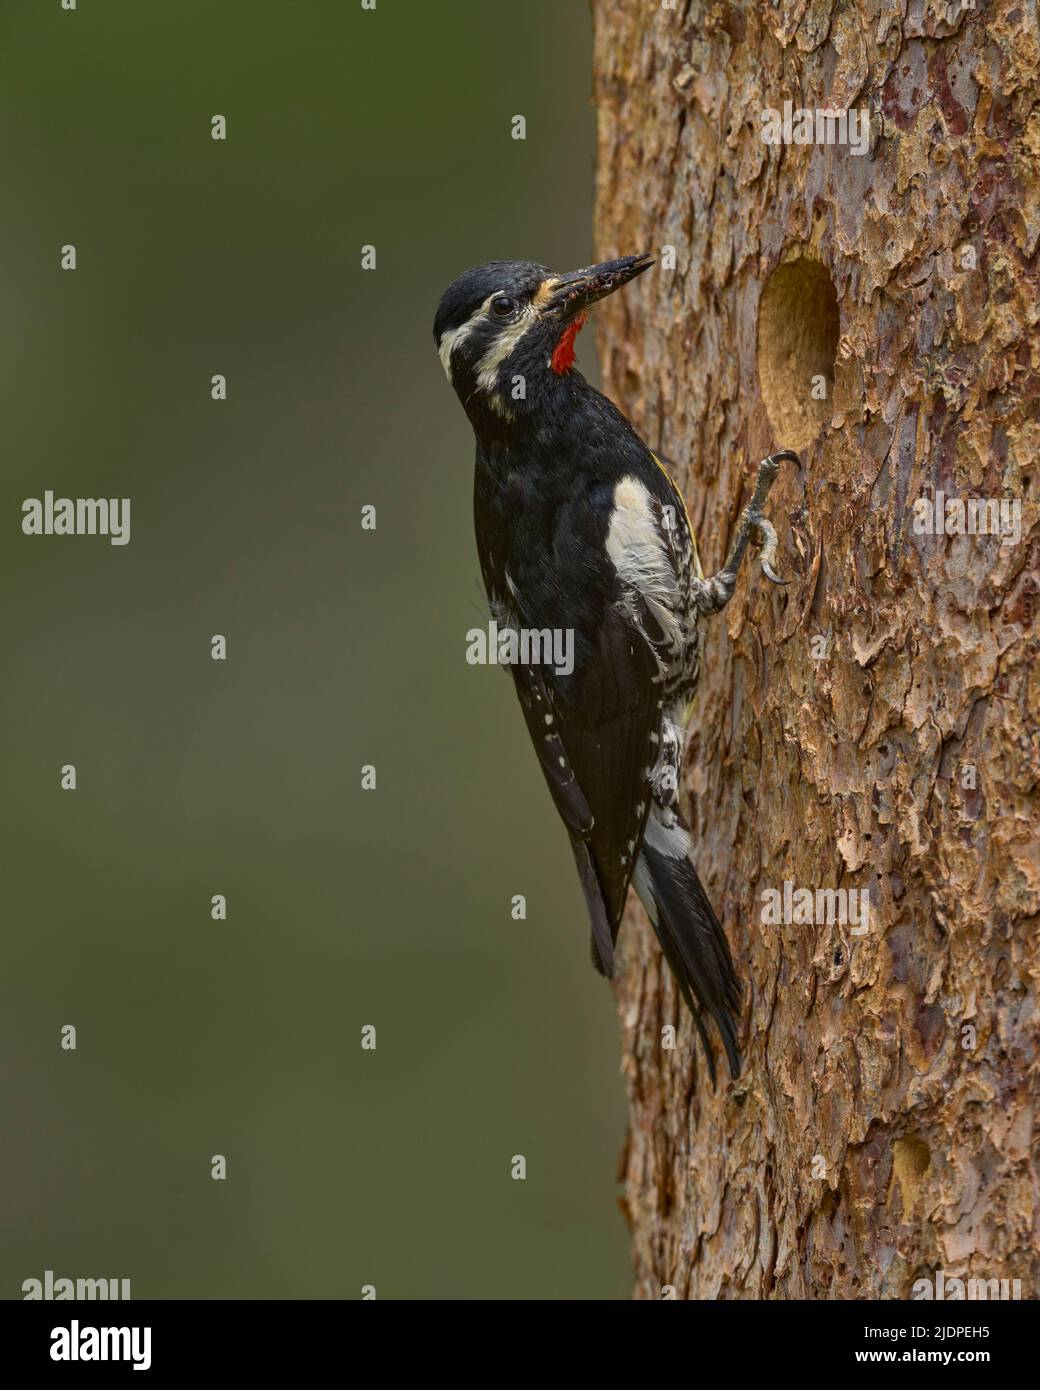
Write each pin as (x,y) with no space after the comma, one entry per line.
(716,592)
(765,534)
(761,527)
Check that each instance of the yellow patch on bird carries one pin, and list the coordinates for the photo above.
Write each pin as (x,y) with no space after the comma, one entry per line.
(686,512)
(544,290)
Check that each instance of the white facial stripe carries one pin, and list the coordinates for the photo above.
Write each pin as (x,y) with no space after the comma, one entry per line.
(454,336)
(503,347)
(447,345)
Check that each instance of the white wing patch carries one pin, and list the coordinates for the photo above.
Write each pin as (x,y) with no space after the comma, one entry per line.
(641,557)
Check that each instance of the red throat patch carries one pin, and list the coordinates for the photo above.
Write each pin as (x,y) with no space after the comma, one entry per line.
(563,353)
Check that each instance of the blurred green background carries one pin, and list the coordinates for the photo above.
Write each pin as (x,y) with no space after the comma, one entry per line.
(346,908)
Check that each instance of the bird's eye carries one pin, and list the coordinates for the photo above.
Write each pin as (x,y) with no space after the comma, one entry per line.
(502,306)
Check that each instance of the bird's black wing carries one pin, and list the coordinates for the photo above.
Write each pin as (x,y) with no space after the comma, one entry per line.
(594,732)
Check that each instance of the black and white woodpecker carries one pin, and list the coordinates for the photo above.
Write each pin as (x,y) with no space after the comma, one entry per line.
(581,530)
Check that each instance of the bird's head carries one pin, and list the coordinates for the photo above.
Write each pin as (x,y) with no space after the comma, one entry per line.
(505,331)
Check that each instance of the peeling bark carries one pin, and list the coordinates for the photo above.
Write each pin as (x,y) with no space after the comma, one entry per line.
(882,1128)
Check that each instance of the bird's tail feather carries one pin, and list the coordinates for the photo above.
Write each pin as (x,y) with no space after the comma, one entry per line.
(602,934)
(693,943)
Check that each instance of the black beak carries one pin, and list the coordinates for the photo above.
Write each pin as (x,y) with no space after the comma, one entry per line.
(570,294)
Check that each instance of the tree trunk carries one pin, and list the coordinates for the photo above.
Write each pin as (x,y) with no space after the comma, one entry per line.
(873,725)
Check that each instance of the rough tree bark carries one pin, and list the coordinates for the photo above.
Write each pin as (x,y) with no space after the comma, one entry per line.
(903,1061)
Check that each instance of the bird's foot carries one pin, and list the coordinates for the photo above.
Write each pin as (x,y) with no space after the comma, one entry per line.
(753,524)
(758,524)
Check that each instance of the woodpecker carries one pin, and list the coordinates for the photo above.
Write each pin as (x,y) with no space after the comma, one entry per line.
(581,529)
